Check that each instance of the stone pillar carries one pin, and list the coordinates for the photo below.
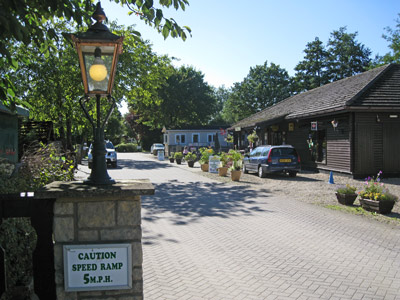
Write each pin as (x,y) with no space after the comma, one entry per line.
(85,214)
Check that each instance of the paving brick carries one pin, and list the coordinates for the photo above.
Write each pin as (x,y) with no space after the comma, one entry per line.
(209,240)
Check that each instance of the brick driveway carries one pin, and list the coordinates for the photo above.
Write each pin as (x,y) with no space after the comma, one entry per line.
(208,240)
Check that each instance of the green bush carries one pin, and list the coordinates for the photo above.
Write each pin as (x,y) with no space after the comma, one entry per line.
(190,156)
(178,155)
(39,166)
(129,147)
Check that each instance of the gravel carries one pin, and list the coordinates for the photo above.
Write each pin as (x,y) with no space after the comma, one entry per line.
(312,187)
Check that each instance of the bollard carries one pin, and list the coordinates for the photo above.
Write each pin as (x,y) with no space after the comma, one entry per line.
(331,178)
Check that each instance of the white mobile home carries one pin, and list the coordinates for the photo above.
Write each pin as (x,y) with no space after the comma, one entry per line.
(176,139)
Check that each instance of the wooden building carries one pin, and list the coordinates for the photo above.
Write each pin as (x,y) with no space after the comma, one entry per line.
(350,126)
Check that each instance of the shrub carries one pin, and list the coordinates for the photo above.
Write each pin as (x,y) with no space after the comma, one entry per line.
(205,155)
(348,189)
(236,158)
(190,156)
(178,155)
(374,189)
(40,165)
(129,147)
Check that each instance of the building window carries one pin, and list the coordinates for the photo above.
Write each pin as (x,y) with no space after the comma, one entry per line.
(211,138)
(195,138)
(180,139)
(165,138)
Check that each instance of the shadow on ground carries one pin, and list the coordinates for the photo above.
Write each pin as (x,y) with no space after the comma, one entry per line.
(141,165)
(188,202)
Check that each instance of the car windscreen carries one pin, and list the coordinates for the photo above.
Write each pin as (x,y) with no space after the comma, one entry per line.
(283,152)
(109,145)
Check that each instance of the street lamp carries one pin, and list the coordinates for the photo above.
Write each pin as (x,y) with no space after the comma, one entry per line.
(98,50)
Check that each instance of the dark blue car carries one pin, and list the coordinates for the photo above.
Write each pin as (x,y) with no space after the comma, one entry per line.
(272,159)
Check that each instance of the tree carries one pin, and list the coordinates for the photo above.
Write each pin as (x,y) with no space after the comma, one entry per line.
(34,23)
(186,100)
(312,70)
(221,95)
(393,37)
(263,86)
(347,57)
(49,85)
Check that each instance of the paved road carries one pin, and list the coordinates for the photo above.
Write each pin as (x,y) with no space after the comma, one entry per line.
(207,240)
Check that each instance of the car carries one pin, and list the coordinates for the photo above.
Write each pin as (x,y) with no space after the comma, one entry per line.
(156,147)
(111,155)
(272,159)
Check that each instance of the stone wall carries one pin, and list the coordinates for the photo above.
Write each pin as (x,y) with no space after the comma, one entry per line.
(98,215)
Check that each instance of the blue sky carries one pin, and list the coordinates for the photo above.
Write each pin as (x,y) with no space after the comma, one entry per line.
(230,36)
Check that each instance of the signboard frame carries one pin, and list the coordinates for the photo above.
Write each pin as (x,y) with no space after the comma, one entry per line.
(124,249)
(213,164)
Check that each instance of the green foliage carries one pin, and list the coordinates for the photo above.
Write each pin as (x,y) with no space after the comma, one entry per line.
(35,24)
(312,70)
(185,99)
(393,37)
(18,238)
(235,157)
(374,189)
(347,56)
(223,157)
(178,155)
(343,57)
(190,156)
(205,155)
(264,86)
(172,155)
(129,147)
(348,189)
(253,137)
(40,165)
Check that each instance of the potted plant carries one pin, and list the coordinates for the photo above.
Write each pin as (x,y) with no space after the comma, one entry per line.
(204,158)
(253,137)
(223,168)
(346,194)
(178,157)
(235,158)
(190,158)
(376,197)
(171,157)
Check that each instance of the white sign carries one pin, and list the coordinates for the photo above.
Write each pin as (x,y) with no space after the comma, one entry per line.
(97,267)
(213,164)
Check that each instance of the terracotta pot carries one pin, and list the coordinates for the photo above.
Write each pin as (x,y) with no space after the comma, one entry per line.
(235,175)
(346,199)
(222,171)
(190,163)
(204,167)
(382,207)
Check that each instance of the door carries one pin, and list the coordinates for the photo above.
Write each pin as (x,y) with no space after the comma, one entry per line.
(391,148)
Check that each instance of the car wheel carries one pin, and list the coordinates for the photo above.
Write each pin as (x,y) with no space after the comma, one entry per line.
(90,165)
(261,172)
(114,164)
(292,174)
(245,171)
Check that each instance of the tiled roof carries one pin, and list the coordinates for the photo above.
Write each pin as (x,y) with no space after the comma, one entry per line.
(370,88)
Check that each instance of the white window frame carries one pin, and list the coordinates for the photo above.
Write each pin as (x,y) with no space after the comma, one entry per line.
(212,137)
(198,137)
(180,139)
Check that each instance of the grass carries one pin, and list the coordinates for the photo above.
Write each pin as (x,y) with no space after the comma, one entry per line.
(358,210)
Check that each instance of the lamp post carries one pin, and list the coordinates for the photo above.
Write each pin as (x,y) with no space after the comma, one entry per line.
(98,50)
